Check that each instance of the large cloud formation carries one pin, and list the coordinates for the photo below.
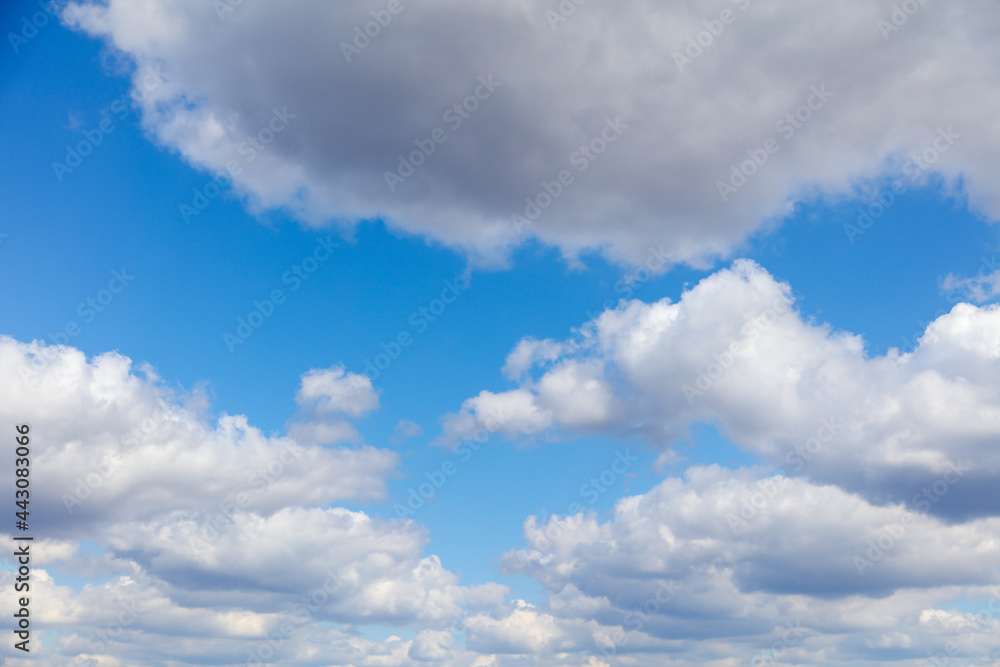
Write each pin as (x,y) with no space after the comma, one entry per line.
(205,540)
(733,351)
(855,552)
(868,515)
(621,123)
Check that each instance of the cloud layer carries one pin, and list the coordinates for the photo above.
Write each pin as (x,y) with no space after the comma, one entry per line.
(616,126)
(854,553)
(734,352)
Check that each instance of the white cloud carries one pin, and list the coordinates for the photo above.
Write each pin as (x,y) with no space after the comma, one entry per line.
(404,430)
(328,130)
(326,398)
(528,353)
(733,351)
(333,390)
(669,573)
(111,445)
(983,287)
(206,541)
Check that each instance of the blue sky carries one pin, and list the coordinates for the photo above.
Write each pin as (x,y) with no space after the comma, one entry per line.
(119,211)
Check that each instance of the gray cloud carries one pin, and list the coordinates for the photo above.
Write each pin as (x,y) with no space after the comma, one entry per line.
(749,95)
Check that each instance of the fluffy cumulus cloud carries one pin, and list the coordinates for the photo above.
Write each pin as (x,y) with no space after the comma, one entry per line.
(206,541)
(612,126)
(115,443)
(757,570)
(917,428)
(868,515)
(327,398)
(855,554)
(668,578)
